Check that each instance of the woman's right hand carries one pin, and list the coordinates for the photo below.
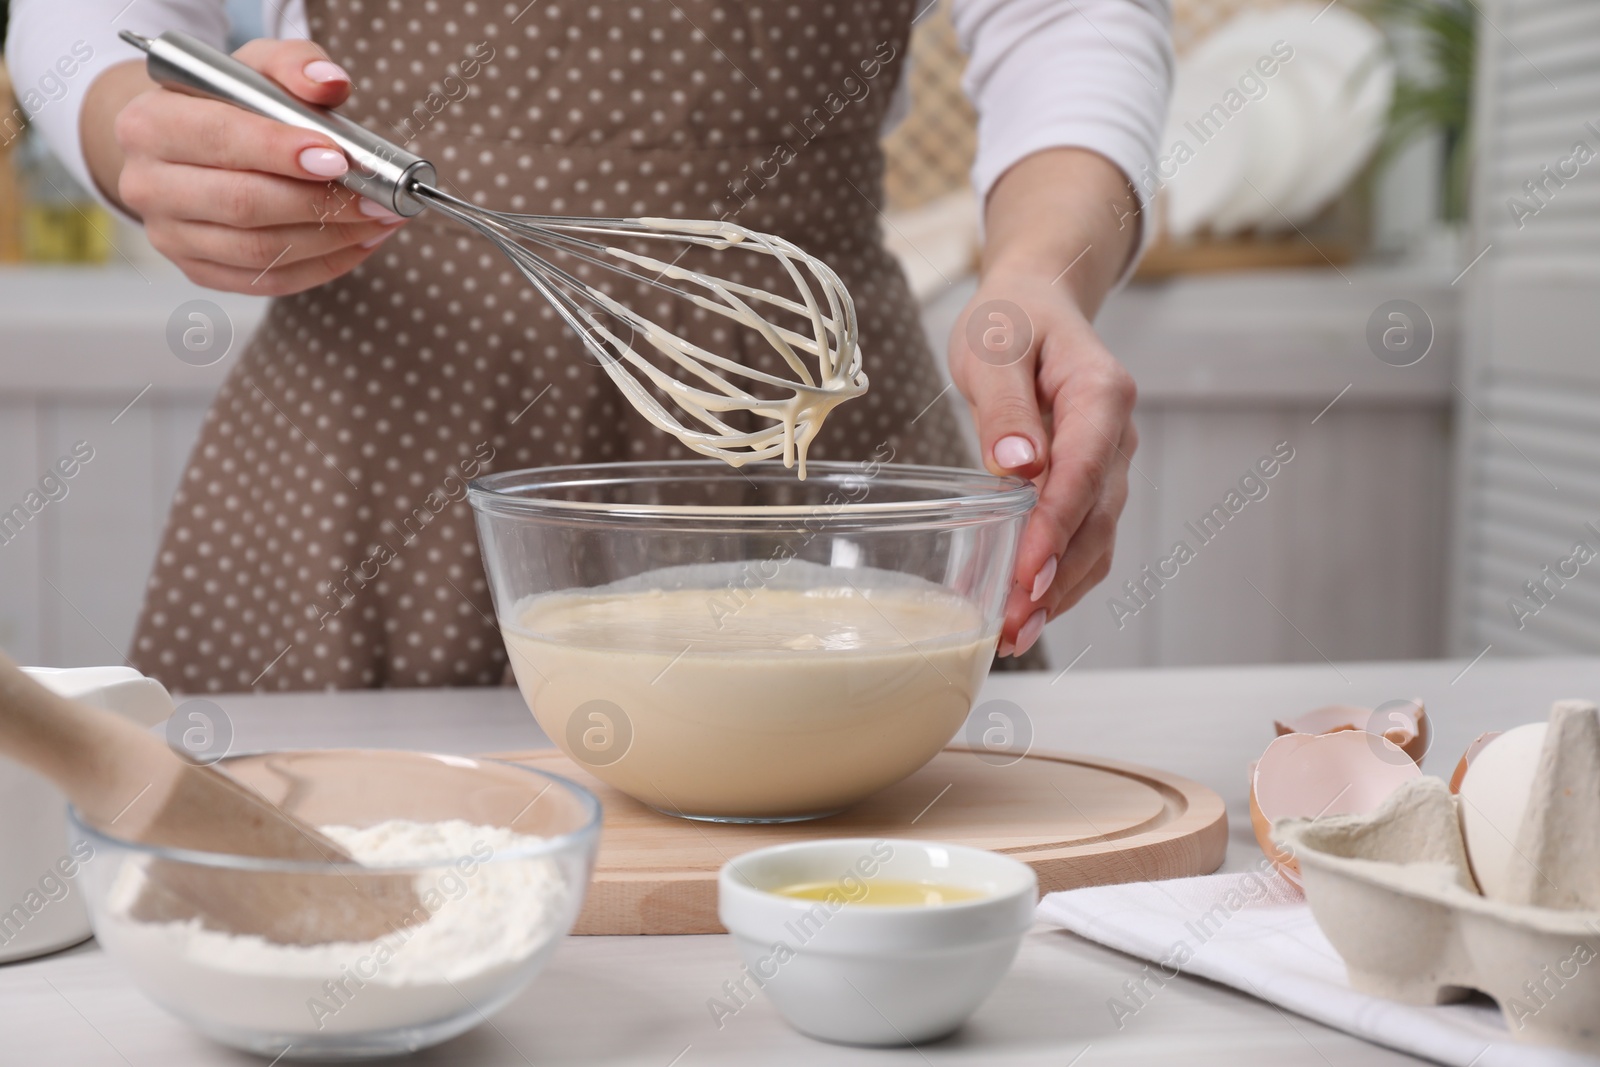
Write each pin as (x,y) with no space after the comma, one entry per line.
(239,202)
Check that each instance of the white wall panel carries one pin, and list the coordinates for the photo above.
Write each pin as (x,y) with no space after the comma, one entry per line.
(1530,415)
(19,557)
(100,539)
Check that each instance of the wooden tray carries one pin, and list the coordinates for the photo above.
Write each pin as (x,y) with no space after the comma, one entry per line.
(1076,820)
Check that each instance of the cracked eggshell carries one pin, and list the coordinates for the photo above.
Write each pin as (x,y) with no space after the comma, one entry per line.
(1304,776)
(1404,722)
(1469,755)
(1494,793)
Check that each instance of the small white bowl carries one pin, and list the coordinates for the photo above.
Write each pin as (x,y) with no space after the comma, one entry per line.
(874,974)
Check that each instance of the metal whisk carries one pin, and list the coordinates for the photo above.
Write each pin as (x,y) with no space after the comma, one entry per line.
(817,340)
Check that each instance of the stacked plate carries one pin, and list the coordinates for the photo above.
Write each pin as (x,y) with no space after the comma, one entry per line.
(1272,116)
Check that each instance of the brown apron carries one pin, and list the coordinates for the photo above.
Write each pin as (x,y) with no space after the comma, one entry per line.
(320,537)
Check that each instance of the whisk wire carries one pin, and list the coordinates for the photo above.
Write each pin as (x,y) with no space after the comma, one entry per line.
(710,393)
(697,403)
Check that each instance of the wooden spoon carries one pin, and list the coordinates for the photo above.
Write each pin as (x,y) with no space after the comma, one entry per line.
(127,782)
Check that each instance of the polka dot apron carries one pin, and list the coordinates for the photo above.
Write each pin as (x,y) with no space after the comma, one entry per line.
(320,537)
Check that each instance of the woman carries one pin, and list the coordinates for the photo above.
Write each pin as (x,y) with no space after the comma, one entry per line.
(317,539)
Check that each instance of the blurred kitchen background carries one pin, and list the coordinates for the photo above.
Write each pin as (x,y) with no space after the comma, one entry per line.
(1376,244)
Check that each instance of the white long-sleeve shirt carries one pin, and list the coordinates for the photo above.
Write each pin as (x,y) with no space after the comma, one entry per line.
(1090,74)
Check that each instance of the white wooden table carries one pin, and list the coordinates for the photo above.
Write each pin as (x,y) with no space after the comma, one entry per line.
(642,1001)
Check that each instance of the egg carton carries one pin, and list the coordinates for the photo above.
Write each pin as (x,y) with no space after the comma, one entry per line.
(1394,892)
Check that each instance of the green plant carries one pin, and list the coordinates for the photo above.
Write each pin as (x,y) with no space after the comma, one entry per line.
(1439,95)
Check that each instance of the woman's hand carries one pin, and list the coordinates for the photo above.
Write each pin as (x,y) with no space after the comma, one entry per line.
(239,202)
(1051,403)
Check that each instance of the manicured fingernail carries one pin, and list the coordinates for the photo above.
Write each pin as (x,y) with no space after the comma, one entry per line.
(374,210)
(374,242)
(1005,649)
(1013,452)
(1030,631)
(320,70)
(1042,580)
(324,162)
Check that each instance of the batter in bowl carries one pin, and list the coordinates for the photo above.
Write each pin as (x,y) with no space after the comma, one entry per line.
(790,702)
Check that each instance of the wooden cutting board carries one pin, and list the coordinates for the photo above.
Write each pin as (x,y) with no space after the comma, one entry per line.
(1076,820)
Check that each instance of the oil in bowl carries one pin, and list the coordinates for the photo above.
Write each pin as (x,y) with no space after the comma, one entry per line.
(881,892)
(876,941)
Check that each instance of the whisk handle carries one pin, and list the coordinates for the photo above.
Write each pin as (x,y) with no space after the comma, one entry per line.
(379,170)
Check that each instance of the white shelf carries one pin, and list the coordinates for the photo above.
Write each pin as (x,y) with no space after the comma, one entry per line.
(103,330)
(1270,336)
(1286,336)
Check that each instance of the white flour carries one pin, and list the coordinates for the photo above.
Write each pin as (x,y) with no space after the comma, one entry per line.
(490,917)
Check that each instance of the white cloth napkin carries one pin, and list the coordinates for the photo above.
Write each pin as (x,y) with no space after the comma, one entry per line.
(1255,932)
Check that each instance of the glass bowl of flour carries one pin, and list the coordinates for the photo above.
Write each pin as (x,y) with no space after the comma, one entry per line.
(741,645)
(500,856)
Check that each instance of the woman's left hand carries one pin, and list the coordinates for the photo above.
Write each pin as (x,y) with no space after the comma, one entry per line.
(1059,412)
(1051,403)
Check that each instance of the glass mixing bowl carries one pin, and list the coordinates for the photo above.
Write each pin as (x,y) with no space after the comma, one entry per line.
(502,874)
(738,644)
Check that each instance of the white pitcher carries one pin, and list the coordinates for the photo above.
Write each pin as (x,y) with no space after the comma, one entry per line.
(41,905)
